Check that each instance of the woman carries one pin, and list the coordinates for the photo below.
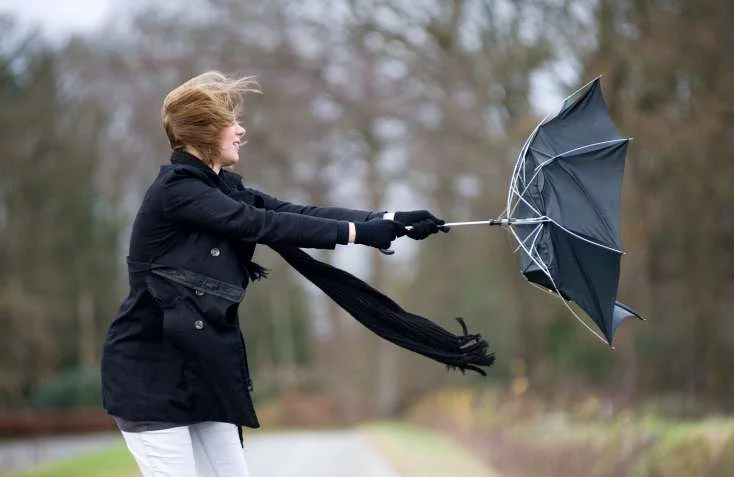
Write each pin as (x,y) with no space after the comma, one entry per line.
(174,366)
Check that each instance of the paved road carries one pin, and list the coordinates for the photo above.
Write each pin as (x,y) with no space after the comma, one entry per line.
(303,454)
(311,454)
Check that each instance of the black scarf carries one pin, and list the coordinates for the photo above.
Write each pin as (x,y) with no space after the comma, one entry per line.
(380,314)
(387,319)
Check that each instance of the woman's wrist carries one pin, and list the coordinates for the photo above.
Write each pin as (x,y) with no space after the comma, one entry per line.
(352,232)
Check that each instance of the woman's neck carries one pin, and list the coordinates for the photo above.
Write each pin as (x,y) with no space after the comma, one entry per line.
(194,152)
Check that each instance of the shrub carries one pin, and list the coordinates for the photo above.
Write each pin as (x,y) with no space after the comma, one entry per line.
(77,388)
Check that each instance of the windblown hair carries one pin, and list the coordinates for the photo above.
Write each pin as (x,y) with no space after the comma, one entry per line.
(196,112)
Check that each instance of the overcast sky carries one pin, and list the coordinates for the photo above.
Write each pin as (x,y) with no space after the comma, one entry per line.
(59,17)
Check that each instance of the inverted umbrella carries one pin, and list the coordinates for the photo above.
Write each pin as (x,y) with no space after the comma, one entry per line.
(563,208)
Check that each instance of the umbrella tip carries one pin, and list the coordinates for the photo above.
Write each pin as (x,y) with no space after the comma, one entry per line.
(612,347)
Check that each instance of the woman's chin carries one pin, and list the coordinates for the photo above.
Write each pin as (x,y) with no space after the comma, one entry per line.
(229,161)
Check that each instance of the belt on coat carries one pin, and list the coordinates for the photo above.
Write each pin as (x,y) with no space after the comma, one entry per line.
(190,279)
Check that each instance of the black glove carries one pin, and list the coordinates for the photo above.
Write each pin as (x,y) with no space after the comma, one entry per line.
(422,229)
(378,233)
(423,223)
(413,216)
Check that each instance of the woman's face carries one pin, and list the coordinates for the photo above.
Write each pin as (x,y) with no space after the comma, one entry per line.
(229,145)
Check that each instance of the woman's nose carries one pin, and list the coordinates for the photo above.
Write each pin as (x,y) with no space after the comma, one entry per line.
(240,131)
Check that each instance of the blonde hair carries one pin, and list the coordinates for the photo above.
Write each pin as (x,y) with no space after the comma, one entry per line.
(196,112)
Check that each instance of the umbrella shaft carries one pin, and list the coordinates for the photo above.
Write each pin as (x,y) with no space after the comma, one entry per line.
(480,222)
(531,221)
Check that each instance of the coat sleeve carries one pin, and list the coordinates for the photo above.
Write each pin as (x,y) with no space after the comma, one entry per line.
(189,201)
(338,213)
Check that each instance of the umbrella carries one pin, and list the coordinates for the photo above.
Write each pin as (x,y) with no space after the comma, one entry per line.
(563,208)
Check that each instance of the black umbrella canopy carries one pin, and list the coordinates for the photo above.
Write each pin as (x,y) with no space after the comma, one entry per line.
(569,178)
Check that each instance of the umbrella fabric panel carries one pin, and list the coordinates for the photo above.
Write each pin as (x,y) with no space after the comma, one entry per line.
(574,283)
(582,193)
(584,122)
(587,275)
(622,311)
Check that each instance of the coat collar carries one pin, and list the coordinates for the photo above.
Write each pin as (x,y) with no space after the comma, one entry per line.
(226,178)
(179,156)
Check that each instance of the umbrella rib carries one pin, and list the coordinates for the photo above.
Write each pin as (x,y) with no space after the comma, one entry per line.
(610,141)
(533,245)
(584,238)
(514,189)
(519,164)
(539,262)
(521,194)
(521,198)
(534,232)
(580,320)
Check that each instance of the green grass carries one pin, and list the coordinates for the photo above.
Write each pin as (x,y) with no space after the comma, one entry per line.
(415,451)
(113,462)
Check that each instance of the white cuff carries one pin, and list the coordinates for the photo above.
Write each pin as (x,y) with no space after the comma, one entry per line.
(388,216)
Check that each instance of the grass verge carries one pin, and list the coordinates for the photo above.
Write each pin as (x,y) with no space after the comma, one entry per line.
(415,451)
(113,462)
(532,437)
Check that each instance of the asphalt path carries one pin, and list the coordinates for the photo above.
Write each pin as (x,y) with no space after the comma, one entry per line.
(311,454)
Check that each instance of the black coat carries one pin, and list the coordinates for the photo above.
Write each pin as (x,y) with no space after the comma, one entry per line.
(175,352)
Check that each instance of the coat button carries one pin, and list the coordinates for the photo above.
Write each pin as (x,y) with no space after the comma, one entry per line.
(199,293)
(198,324)
(215,252)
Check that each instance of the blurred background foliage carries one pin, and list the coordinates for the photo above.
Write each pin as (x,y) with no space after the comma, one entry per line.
(379,105)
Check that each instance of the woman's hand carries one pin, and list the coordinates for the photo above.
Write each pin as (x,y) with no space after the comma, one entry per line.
(422,223)
(378,233)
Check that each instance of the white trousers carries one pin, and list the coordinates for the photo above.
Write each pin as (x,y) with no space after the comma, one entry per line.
(207,449)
